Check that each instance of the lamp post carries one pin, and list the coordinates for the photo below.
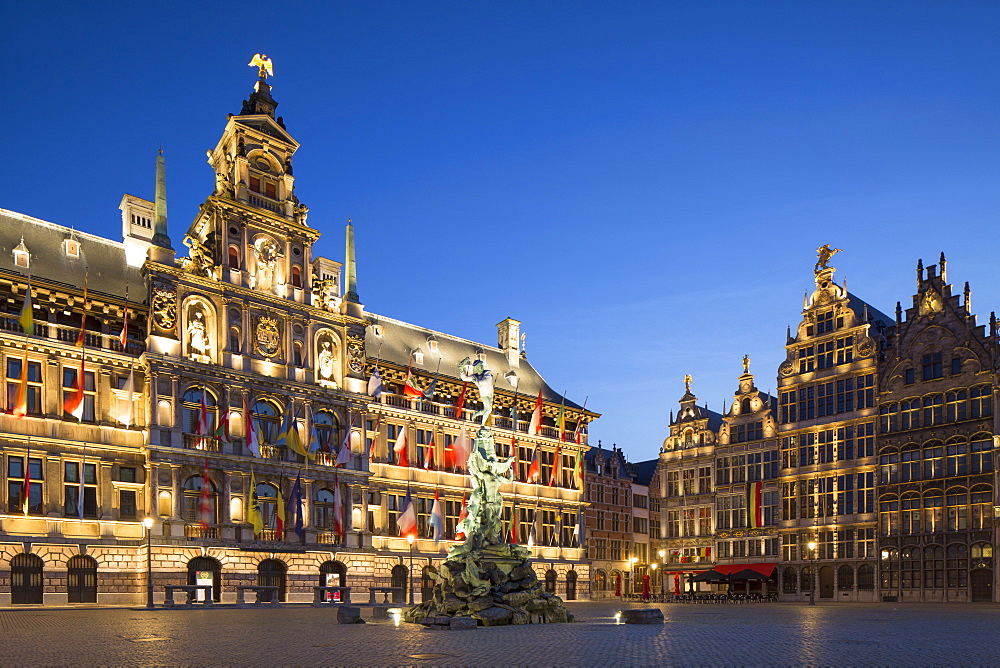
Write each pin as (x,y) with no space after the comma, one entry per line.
(409,580)
(812,570)
(148,523)
(653,566)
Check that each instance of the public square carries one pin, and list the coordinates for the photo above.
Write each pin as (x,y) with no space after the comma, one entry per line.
(705,635)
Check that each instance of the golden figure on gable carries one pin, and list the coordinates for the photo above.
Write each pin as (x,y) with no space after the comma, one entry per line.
(931,303)
(825,254)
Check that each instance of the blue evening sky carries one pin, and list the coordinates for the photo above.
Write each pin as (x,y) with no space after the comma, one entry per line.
(642,184)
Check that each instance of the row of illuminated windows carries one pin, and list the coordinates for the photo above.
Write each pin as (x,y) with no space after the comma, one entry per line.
(604,521)
(828,445)
(689,481)
(934,409)
(26,487)
(834,397)
(743,547)
(828,496)
(958,509)
(612,494)
(69,323)
(932,367)
(602,549)
(742,433)
(795,580)
(731,511)
(751,467)
(829,544)
(826,355)
(689,522)
(28,391)
(935,459)
(932,567)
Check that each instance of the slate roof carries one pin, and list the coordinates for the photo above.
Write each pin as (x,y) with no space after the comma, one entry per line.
(399,339)
(103,259)
(644,471)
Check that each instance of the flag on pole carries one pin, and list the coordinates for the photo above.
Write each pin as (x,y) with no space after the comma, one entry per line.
(81,488)
(253,441)
(124,333)
(429,454)
(253,508)
(279,514)
(580,423)
(754,510)
(83,321)
(578,471)
(407,521)
(534,468)
(202,428)
(293,507)
(338,507)
(463,448)
(561,419)
(535,426)
(378,432)
(375,385)
(27,318)
(400,448)
(512,526)
(460,402)
(409,388)
(532,535)
(26,486)
(462,514)
(315,442)
(289,434)
(344,455)
(556,466)
(20,408)
(73,403)
(222,431)
(205,500)
(437,518)
(449,454)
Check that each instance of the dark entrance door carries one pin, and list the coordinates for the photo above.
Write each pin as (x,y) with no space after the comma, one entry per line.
(571,586)
(81,586)
(826,582)
(332,574)
(981,584)
(205,570)
(26,579)
(271,573)
(426,583)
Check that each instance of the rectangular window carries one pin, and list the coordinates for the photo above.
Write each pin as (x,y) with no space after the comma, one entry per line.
(126,504)
(909,377)
(601,549)
(16,483)
(956,366)
(33,389)
(931,367)
(71,478)
(824,322)
(126,474)
(89,392)
(255,184)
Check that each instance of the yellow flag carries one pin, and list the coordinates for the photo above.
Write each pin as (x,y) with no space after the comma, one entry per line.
(253,509)
(27,318)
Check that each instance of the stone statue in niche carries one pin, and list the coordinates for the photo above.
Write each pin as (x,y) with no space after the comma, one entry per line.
(265,251)
(197,333)
(326,362)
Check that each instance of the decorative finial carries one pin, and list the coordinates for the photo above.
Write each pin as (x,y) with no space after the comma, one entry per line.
(943,264)
(687,382)
(824,253)
(746,364)
(968,298)
(264,65)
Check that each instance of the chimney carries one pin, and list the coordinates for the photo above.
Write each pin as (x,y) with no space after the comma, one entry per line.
(508,340)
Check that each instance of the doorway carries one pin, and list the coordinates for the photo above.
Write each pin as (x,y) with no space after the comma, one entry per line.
(271,573)
(826,582)
(205,571)
(81,584)
(981,585)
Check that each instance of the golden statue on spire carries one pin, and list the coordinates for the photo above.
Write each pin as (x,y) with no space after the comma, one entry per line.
(687,382)
(261,61)
(823,254)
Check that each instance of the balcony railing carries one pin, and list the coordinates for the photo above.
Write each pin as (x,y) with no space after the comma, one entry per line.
(268,534)
(199,531)
(272,452)
(329,538)
(206,443)
(256,200)
(68,334)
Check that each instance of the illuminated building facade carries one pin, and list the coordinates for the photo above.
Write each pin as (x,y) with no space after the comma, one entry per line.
(609,519)
(936,432)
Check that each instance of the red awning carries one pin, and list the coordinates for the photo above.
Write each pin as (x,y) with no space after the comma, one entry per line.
(764,569)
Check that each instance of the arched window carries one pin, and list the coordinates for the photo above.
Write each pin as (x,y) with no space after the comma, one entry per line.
(909,414)
(326,429)
(957,405)
(933,510)
(745,406)
(982,555)
(26,583)
(807,579)
(600,580)
(192,400)
(958,565)
(323,515)
(866,578)
(933,567)
(571,585)
(933,409)
(234,257)
(267,498)
(399,577)
(888,513)
(192,499)
(980,500)
(909,567)
(889,568)
(267,419)
(889,466)
(957,509)
(205,571)
(845,578)
(789,581)
(81,582)
(957,462)
(296,277)
(235,341)
(933,460)
(297,353)
(979,401)
(332,574)
(910,514)
(909,462)
(888,417)
(271,573)
(550,581)
(981,454)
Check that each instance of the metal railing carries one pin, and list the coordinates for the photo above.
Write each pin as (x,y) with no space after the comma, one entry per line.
(206,443)
(200,531)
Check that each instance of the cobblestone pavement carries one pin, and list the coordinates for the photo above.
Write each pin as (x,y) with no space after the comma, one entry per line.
(693,635)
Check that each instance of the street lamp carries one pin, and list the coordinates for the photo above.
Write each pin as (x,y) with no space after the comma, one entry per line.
(409,580)
(148,523)
(633,561)
(812,578)
(663,573)
(653,566)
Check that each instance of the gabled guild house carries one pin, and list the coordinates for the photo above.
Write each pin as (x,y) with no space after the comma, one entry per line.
(227,386)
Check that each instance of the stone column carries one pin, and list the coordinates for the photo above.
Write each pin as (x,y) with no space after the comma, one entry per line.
(106,489)
(175,486)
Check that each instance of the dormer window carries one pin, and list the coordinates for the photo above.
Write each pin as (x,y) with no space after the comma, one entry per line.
(21,255)
(377,330)
(71,247)
(418,356)
(432,344)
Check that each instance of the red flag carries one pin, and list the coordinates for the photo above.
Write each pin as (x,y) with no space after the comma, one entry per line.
(124,333)
(202,427)
(74,402)
(338,507)
(20,408)
(429,455)
(205,502)
(449,454)
(513,453)
(462,449)
(556,466)
(535,426)
(409,389)
(534,469)
(402,459)
(462,514)
(460,402)
(83,321)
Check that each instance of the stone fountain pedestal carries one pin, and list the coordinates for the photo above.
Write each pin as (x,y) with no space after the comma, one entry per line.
(493,585)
